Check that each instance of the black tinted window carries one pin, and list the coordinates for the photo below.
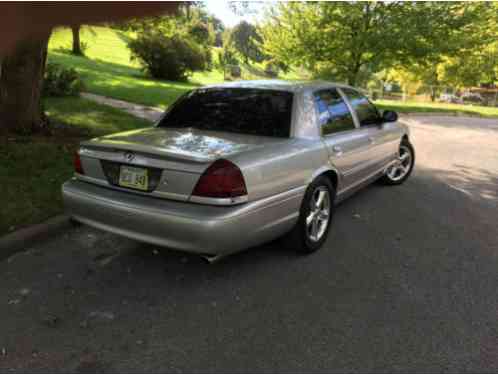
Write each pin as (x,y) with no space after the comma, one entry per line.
(334,115)
(366,111)
(237,110)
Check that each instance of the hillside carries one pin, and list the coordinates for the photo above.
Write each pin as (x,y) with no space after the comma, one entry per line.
(108,70)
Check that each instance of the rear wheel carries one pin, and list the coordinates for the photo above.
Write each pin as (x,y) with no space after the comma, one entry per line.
(401,169)
(315,216)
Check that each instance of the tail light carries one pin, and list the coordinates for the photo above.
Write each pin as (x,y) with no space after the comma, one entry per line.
(78,168)
(222,179)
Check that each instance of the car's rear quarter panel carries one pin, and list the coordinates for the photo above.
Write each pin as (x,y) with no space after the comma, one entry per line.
(282,167)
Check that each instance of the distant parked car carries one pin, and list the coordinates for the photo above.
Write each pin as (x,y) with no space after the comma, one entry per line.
(450,98)
(471,97)
(235,165)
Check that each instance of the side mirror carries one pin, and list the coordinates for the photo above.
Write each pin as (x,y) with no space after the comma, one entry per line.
(389,116)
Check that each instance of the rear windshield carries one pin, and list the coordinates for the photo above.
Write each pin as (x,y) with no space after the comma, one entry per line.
(236,110)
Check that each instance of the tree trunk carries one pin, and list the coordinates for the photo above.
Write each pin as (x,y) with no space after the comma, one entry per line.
(21,84)
(433,94)
(76,40)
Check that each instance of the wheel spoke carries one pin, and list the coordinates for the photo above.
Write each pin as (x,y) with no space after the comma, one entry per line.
(324,215)
(314,229)
(310,218)
(321,197)
(404,157)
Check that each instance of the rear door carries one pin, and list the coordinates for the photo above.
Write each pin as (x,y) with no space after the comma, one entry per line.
(383,141)
(346,144)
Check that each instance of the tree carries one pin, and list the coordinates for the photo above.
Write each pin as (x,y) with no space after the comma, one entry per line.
(76,40)
(445,34)
(24,52)
(20,86)
(351,41)
(336,40)
(245,38)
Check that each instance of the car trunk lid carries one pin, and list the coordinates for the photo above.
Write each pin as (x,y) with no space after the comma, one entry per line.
(173,159)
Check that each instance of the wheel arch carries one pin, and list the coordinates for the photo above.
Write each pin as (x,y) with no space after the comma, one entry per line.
(331,173)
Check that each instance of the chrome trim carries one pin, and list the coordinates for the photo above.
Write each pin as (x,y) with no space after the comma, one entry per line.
(141,159)
(219,201)
(157,194)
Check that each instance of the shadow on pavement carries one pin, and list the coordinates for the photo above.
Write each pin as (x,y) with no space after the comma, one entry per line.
(406,282)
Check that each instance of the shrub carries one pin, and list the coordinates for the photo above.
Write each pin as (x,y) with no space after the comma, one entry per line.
(61,81)
(171,58)
(200,32)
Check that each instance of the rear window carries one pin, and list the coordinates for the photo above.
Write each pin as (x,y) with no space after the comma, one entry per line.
(237,110)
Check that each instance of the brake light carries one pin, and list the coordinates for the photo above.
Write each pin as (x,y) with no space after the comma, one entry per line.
(78,168)
(222,179)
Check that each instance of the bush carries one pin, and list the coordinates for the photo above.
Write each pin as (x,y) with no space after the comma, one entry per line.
(171,58)
(61,81)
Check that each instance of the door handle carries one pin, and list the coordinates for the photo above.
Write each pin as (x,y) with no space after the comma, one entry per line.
(337,150)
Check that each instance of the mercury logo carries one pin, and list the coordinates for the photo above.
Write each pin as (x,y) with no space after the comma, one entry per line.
(129,156)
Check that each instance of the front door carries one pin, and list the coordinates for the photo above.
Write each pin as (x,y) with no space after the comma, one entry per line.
(346,143)
(382,139)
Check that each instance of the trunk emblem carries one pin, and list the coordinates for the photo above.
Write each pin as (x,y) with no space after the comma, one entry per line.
(129,156)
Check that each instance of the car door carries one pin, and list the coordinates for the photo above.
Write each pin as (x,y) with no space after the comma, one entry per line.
(340,133)
(380,137)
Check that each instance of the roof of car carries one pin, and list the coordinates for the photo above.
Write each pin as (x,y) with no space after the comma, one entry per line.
(276,84)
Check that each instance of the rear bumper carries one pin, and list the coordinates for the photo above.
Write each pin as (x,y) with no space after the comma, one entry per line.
(183,225)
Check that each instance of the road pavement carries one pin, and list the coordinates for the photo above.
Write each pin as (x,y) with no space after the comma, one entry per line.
(407,282)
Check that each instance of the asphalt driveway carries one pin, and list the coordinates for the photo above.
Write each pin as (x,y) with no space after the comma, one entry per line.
(407,282)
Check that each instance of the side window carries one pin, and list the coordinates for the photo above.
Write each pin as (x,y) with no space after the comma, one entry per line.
(367,113)
(333,113)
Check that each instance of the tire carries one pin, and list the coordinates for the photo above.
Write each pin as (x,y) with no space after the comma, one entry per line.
(301,238)
(404,168)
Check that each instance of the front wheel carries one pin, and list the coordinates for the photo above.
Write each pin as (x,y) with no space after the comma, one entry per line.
(401,169)
(315,217)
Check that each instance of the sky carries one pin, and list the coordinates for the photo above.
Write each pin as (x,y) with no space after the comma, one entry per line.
(220,9)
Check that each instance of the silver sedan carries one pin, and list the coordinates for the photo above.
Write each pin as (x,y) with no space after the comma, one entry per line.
(235,165)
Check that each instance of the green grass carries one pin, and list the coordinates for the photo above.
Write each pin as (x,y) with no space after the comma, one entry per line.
(462,109)
(108,70)
(89,117)
(32,169)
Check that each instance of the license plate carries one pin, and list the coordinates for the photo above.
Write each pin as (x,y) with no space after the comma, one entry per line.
(135,178)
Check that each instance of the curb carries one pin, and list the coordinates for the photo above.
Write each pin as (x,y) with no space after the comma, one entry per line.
(440,114)
(23,238)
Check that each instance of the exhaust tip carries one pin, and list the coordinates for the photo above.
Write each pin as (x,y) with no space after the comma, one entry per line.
(211,259)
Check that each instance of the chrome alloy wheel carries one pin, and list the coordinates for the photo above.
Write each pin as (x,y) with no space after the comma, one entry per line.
(318,217)
(401,166)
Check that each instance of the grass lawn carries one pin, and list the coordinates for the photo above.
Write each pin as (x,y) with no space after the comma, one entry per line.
(107,69)
(406,107)
(32,169)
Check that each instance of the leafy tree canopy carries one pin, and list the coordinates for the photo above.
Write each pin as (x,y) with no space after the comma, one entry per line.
(245,38)
(349,41)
